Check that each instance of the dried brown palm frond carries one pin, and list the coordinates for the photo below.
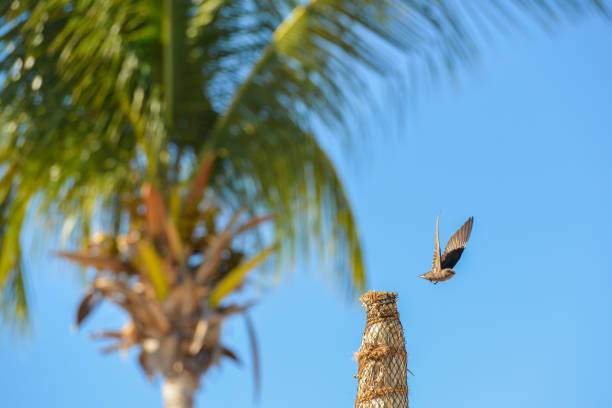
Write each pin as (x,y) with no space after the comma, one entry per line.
(176,308)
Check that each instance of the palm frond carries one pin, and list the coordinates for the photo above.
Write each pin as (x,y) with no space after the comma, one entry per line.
(235,278)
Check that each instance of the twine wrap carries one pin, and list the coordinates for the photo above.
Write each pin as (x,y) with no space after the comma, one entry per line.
(382,356)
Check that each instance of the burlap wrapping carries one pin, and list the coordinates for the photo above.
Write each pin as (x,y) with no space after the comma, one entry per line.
(382,356)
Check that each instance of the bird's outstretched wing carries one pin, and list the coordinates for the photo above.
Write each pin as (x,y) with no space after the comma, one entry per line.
(456,245)
(435,266)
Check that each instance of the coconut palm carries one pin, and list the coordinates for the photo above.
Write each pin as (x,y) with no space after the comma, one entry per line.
(170,273)
(149,131)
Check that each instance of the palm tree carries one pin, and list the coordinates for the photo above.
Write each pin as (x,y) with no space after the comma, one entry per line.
(141,127)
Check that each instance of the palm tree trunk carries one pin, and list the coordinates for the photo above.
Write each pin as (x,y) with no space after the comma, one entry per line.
(179,391)
(382,356)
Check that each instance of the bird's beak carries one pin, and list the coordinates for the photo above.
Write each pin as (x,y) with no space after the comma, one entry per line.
(421,276)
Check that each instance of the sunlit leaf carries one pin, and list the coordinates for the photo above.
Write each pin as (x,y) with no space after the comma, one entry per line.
(235,277)
(10,248)
(154,269)
(174,241)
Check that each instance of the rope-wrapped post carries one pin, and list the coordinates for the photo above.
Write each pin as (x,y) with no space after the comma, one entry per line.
(382,356)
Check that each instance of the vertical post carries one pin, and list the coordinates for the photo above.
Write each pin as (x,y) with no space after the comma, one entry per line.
(382,356)
(179,391)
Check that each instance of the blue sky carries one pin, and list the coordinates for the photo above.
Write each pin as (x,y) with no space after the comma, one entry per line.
(523,144)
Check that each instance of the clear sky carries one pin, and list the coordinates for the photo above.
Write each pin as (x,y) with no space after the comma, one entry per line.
(524,145)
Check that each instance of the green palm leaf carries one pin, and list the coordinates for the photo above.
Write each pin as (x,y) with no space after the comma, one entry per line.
(236,276)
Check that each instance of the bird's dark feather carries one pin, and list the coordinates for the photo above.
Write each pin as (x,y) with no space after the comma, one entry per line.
(456,245)
(451,258)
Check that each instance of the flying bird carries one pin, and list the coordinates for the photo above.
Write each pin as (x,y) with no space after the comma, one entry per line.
(442,266)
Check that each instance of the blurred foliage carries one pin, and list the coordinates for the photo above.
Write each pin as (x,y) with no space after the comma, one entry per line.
(173,281)
(100,96)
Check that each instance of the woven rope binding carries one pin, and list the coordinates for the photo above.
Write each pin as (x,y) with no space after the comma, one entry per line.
(381,358)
